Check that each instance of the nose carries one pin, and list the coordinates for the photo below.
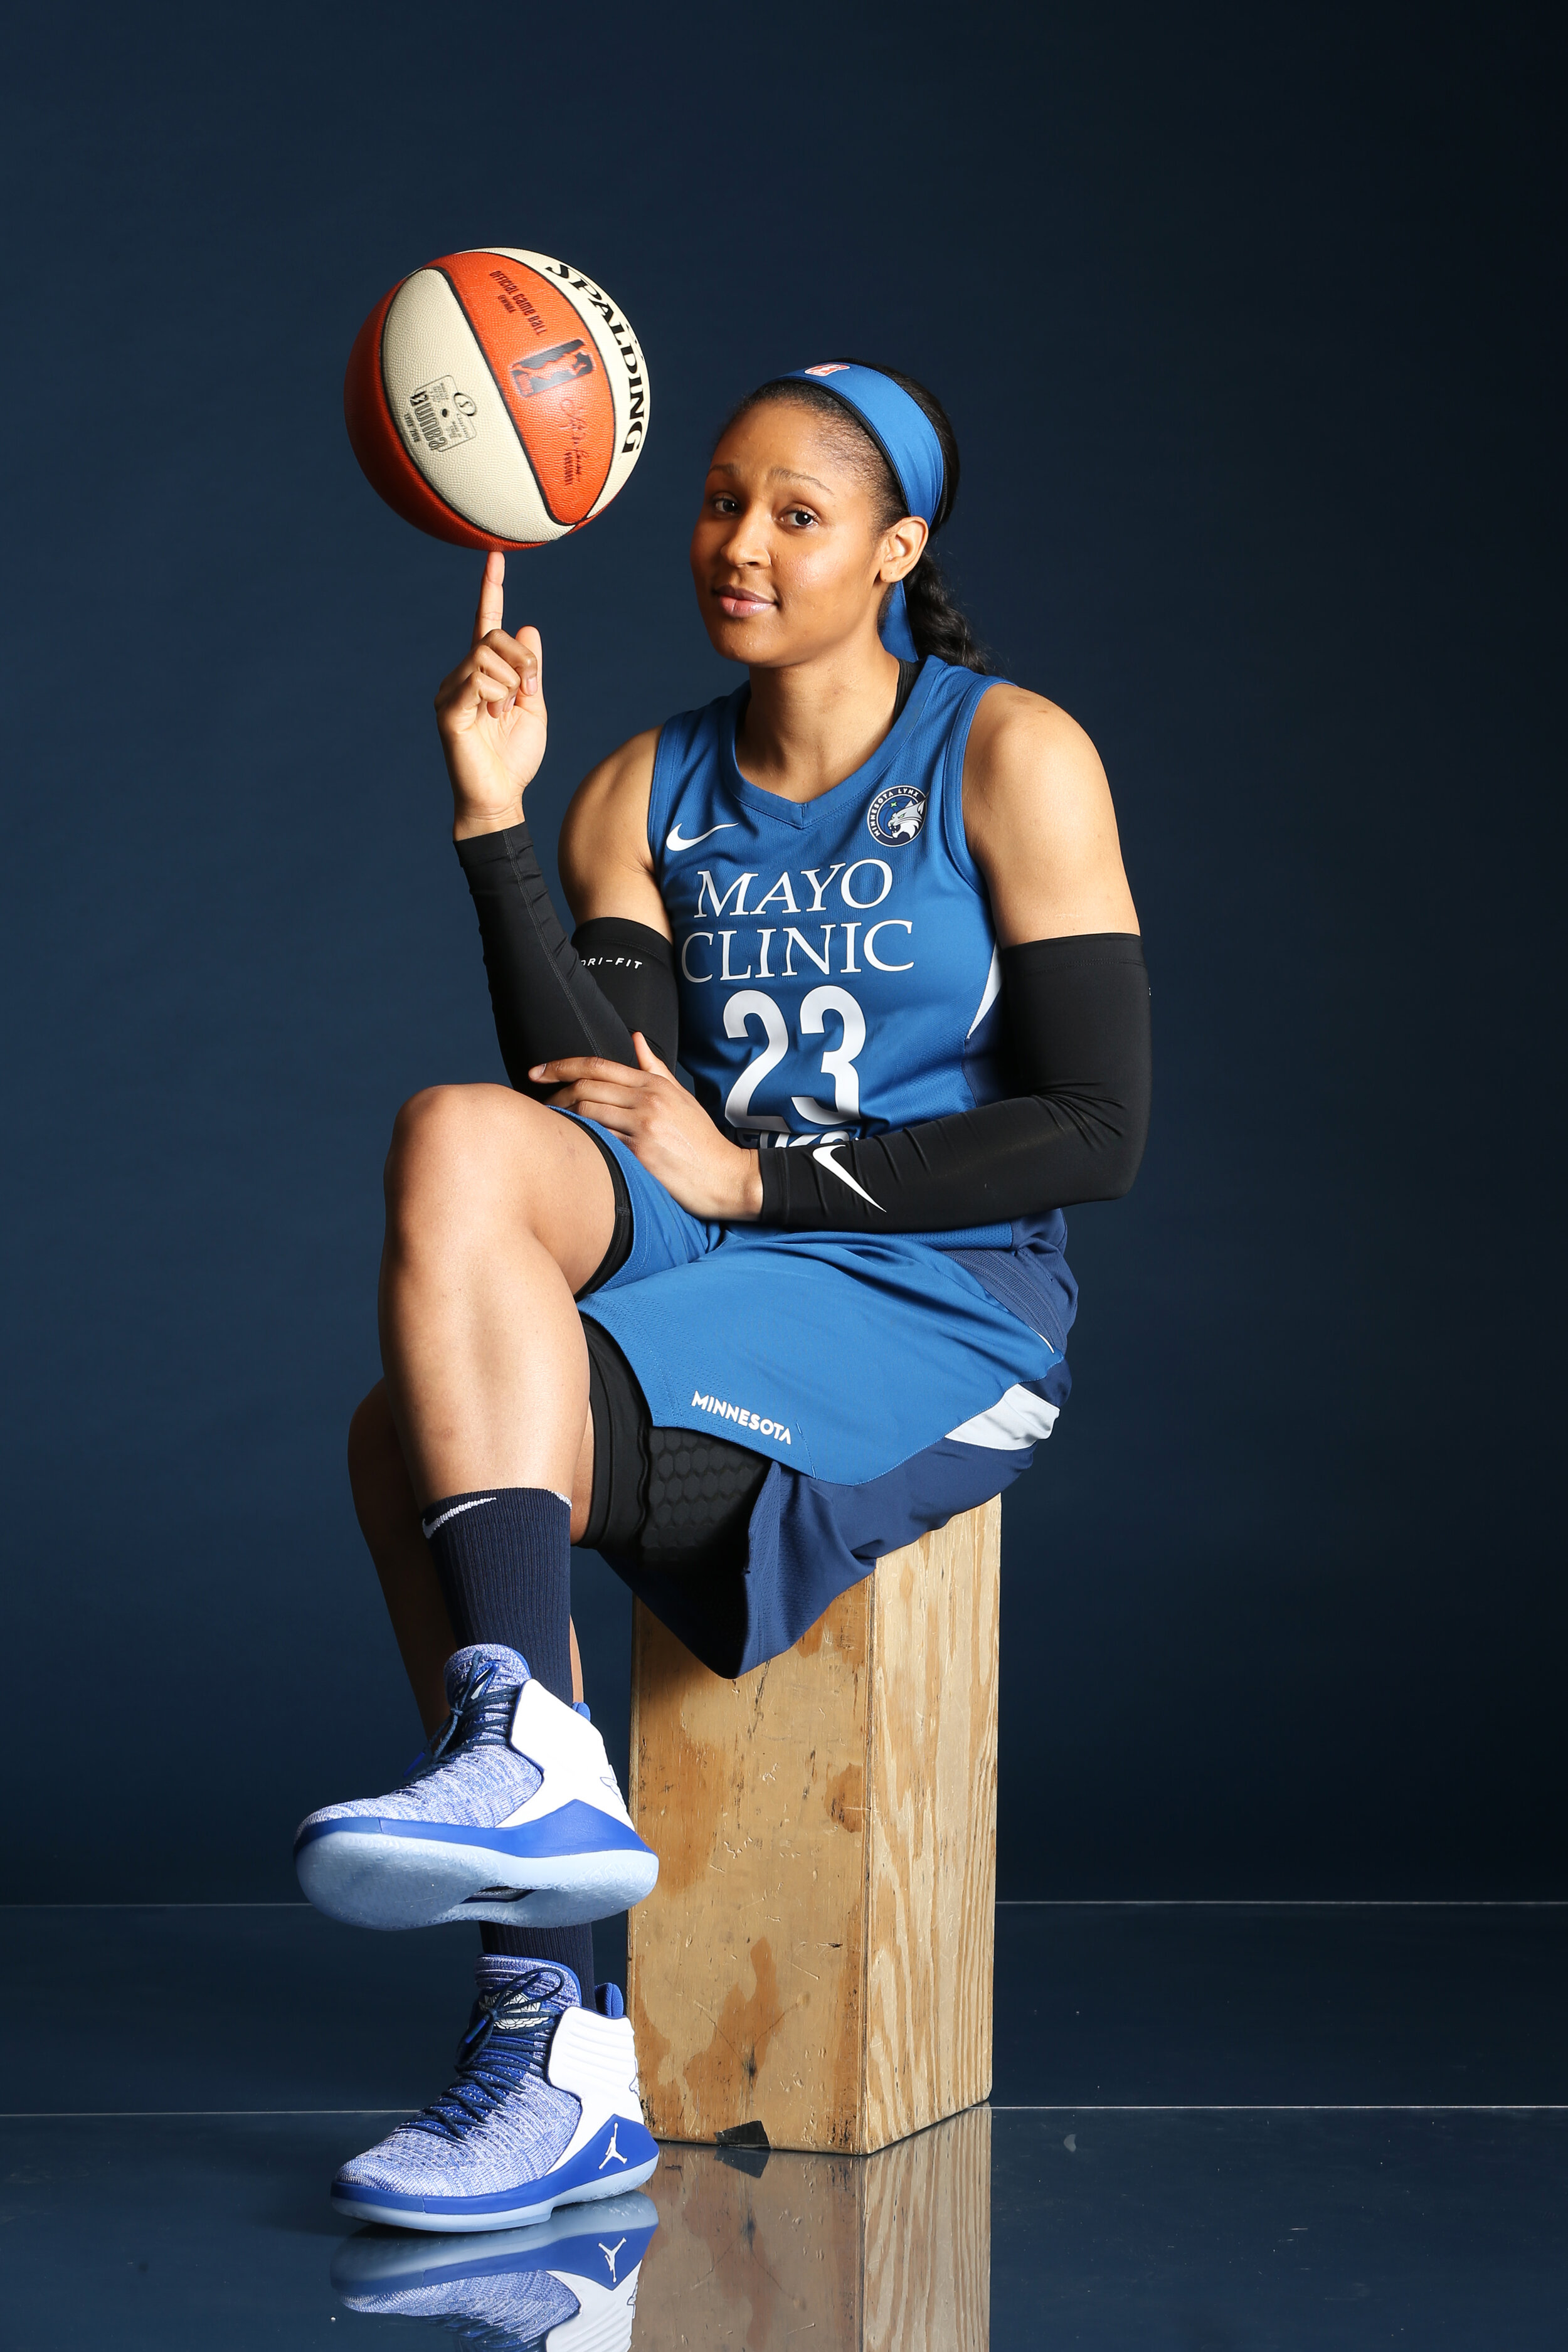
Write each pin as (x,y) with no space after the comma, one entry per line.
(745,544)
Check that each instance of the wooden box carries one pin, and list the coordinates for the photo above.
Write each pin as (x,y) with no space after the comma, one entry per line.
(816,1955)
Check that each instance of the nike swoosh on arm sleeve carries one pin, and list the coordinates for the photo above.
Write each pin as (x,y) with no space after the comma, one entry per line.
(1077,1016)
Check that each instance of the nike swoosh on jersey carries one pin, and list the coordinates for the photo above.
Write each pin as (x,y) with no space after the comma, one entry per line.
(824,1158)
(675,845)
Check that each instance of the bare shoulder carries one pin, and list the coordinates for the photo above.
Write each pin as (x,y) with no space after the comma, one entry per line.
(605,865)
(1039,821)
(1020,742)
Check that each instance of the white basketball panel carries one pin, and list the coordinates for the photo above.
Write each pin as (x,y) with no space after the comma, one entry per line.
(483,473)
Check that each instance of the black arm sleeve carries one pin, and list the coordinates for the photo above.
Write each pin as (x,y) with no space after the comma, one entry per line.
(1078,1023)
(635,967)
(548,1001)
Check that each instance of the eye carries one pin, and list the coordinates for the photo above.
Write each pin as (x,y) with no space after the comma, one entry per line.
(799,516)
(723,503)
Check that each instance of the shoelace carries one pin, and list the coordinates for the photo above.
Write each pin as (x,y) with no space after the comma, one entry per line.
(481,1718)
(494,2061)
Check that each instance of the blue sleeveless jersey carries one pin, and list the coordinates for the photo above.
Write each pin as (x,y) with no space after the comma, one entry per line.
(838,970)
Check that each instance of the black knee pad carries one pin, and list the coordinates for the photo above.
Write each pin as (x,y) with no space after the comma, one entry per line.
(674,1498)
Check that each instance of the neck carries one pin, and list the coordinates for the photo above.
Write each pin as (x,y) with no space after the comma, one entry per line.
(809,725)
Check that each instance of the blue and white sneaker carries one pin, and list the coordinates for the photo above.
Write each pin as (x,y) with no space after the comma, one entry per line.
(571,2284)
(544,2112)
(513,1814)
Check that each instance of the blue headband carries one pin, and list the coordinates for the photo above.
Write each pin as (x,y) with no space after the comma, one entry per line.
(907,439)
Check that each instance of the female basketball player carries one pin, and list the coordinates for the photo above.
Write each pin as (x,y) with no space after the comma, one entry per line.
(742,1341)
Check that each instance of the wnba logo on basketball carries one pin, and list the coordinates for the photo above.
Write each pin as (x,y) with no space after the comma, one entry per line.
(562,364)
(896,816)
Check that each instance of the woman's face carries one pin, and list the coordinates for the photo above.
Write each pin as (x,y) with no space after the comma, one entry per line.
(786,558)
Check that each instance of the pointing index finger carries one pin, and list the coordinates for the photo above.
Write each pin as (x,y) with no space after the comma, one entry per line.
(492,597)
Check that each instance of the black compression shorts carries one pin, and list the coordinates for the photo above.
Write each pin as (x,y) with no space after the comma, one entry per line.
(673,1498)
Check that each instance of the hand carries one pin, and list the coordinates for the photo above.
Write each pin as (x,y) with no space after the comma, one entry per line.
(492,716)
(668,1130)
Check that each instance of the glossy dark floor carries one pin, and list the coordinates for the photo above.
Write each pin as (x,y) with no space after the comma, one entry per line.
(1213,2127)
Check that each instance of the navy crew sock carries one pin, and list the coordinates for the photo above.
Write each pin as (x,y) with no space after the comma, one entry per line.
(503,1556)
(569,1947)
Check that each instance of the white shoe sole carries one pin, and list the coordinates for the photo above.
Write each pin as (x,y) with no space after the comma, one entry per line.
(371,1880)
(517,2216)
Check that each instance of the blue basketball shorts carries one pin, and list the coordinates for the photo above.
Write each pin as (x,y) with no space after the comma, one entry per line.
(887,1388)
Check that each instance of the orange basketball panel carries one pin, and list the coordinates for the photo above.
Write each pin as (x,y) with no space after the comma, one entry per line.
(550,372)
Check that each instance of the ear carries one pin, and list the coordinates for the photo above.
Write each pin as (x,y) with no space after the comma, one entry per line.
(902,548)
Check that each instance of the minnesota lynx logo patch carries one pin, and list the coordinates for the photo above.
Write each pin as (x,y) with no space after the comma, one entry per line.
(896,816)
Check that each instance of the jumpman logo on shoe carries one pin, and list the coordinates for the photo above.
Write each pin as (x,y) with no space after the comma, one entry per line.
(609,2254)
(612,2154)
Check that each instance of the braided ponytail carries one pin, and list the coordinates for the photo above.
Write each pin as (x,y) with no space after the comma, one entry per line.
(937,622)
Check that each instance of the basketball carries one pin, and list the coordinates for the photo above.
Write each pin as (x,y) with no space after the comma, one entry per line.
(497,398)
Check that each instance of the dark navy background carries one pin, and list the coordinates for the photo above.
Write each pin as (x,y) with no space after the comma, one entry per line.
(1251,338)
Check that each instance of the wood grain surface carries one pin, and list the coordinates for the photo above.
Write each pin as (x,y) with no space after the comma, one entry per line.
(772,2262)
(931,1844)
(745,1976)
(816,1955)
(881,2254)
(925,2266)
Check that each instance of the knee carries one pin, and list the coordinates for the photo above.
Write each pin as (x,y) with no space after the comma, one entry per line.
(437,1125)
(448,1143)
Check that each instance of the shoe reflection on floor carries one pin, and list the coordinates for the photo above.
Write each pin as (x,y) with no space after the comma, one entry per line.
(570,2283)
(735,2246)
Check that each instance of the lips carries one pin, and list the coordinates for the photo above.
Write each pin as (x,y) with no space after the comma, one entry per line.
(740,602)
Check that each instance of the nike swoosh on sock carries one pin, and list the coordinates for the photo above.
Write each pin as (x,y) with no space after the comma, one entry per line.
(430,1526)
